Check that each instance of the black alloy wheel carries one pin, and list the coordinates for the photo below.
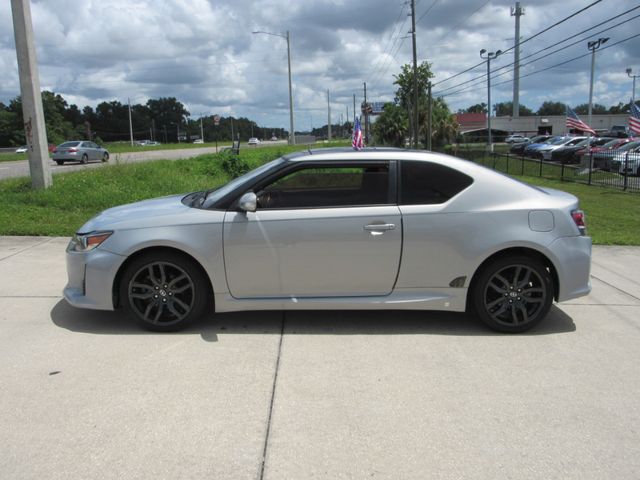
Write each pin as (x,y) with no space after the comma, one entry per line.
(513,294)
(164,292)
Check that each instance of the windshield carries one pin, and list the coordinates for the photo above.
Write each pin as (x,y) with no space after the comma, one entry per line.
(217,194)
(628,146)
(612,143)
(69,144)
(557,141)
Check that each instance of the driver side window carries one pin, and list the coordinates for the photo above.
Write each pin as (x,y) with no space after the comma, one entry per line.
(327,187)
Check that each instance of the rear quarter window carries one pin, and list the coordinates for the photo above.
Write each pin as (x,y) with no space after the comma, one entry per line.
(426,183)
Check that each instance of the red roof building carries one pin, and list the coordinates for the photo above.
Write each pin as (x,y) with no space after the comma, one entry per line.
(471,121)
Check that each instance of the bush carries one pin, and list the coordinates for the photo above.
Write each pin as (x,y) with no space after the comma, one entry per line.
(234,166)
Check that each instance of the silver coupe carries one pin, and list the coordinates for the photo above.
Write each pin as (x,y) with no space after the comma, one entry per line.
(339,229)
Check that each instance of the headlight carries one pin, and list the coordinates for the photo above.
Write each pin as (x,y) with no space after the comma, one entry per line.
(86,242)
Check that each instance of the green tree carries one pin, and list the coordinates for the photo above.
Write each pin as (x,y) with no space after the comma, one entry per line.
(552,108)
(392,126)
(445,126)
(477,108)
(54,106)
(505,109)
(167,112)
(597,109)
(405,92)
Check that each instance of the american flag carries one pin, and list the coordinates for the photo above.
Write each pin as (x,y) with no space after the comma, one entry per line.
(357,142)
(634,119)
(573,121)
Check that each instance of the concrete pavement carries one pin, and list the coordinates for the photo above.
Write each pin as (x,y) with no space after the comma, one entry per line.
(394,395)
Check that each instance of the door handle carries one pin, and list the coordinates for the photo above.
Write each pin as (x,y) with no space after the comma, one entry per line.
(379,227)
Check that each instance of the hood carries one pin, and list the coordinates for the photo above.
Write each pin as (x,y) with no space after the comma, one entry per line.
(144,214)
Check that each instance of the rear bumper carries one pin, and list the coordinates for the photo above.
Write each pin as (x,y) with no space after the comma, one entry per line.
(573,265)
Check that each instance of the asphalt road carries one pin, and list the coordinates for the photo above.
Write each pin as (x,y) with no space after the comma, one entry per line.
(329,395)
(20,168)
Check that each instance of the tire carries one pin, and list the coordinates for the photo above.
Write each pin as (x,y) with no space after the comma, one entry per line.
(513,294)
(164,291)
(60,162)
(84,158)
(105,157)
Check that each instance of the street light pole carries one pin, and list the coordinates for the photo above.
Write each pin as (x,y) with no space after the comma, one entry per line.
(633,92)
(489,56)
(593,46)
(287,37)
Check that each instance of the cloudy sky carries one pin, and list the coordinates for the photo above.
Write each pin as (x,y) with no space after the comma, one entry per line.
(204,53)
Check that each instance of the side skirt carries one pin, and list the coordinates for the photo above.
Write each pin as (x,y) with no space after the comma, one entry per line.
(446,299)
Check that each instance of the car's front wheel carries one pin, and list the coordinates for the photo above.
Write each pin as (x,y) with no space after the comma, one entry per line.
(164,291)
(105,157)
(60,162)
(513,294)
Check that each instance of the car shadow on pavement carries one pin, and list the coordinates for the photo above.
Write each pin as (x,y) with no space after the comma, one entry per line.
(311,322)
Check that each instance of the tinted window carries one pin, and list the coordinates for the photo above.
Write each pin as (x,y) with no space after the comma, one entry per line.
(425,183)
(330,186)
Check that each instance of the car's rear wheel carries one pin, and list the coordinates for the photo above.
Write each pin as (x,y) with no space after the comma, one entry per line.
(105,157)
(513,294)
(164,292)
(84,158)
(60,162)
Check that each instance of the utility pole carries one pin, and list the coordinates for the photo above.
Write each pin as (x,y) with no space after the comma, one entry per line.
(633,91)
(366,116)
(415,74)
(328,116)
(430,115)
(490,56)
(593,46)
(130,124)
(354,108)
(201,129)
(517,12)
(32,110)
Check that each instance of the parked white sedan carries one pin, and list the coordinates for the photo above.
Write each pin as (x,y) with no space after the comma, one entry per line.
(339,229)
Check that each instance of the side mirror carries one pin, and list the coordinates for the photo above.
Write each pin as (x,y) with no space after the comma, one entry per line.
(248,202)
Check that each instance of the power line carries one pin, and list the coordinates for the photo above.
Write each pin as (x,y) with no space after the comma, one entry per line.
(552,46)
(527,39)
(471,87)
(427,11)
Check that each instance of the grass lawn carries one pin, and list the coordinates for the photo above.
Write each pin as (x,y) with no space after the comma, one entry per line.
(124,147)
(613,217)
(12,157)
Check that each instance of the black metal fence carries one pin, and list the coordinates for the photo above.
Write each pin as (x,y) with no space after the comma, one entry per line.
(620,170)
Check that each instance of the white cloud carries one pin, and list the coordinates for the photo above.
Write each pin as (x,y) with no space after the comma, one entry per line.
(203,52)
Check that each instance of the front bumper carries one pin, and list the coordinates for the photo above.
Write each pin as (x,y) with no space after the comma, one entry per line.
(91,276)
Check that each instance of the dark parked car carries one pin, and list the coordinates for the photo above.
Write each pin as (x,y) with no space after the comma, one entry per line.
(603,158)
(572,153)
(79,151)
(519,147)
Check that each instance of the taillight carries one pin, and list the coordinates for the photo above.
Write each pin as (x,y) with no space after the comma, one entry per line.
(578,218)
(73,149)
